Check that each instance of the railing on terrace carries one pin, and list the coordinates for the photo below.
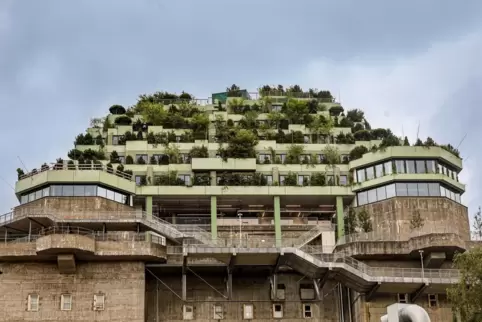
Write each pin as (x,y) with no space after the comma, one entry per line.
(74,167)
(115,236)
(388,235)
(359,266)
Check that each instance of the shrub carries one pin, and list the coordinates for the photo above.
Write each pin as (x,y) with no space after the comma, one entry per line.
(123,120)
(117,110)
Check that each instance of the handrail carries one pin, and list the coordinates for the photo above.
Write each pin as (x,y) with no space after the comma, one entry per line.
(388,235)
(76,167)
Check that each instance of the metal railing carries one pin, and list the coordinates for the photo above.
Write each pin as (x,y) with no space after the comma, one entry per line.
(81,167)
(308,236)
(396,235)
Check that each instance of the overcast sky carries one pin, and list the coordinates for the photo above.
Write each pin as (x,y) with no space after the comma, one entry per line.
(402,62)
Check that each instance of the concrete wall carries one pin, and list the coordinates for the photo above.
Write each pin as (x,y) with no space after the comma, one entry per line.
(251,289)
(394,215)
(76,204)
(122,283)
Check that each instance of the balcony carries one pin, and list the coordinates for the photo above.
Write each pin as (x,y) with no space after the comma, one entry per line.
(218,164)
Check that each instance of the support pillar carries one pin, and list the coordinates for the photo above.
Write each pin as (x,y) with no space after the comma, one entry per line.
(277,220)
(149,207)
(340,218)
(214,218)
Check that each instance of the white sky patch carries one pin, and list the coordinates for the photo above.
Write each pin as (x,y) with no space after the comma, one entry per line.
(407,92)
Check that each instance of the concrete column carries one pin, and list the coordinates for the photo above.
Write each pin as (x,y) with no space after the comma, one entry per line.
(277,220)
(150,175)
(340,217)
(213,178)
(214,218)
(149,206)
(275,173)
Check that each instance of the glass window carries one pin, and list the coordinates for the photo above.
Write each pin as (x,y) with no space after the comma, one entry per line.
(46,192)
(38,194)
(433,189)
(400,166)
(372,195)
(431,166)
(370,173)
(379,170)
(412,189)
(90,191)
(401,189)
(457,197)
(119,197)
(31,196)
(24,199)
(269,180)
(102,192)
(56,191)
(381,193)
(282,180)
(67,191)
(115,140)
(449,173)
(420,164)
(390,189)
(360,175)
(388,167)
(362,198)
(300,180)
(410,166)
(343,181)
(79,190)
(110,194)
(423,189)
(442,191)
(330,181)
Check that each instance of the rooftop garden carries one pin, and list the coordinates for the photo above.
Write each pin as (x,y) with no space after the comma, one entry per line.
(263,119)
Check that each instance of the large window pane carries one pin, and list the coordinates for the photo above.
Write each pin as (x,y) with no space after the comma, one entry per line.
(434,189)
(443,191)
(79,191)
(343,181)
(388,166)
(110,194)
(431,166)
(90,191)
(390,189)
(24,199)
(31,196)
(421,166)
(410,166)
(401,189)
(400,166)
(372,195)
(381,193)
(56,191)
(370,173)
(457,197)
(46,192)
(67,191)
(102,192)
(38,194)
(362,198)
(423,189)
(379,170)
(412,189)
(118,197)
(360,175)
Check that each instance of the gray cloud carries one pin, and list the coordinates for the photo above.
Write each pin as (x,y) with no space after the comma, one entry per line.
(62,63)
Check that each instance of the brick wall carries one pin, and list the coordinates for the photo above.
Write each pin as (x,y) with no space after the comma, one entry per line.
(122,283)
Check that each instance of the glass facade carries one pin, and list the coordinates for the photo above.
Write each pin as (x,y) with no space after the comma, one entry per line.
(75,191)
(406,189)
(405,166)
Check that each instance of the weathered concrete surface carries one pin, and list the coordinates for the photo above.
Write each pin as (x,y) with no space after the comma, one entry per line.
(448,242)
(395,215)
(122,283)
(61,243)
(162,305)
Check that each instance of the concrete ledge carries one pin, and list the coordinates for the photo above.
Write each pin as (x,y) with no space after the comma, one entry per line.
(62,243)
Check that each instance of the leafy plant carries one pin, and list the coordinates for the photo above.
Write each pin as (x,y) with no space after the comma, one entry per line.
(477,225)
(199,152)
(20,173)
(129,160)
(123,120)
(117,110)
(364,221)
(114,157)
(351,221)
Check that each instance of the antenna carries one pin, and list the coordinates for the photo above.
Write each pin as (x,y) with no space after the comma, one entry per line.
(403,132)
(23,164)
(8,184)
(461,141)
